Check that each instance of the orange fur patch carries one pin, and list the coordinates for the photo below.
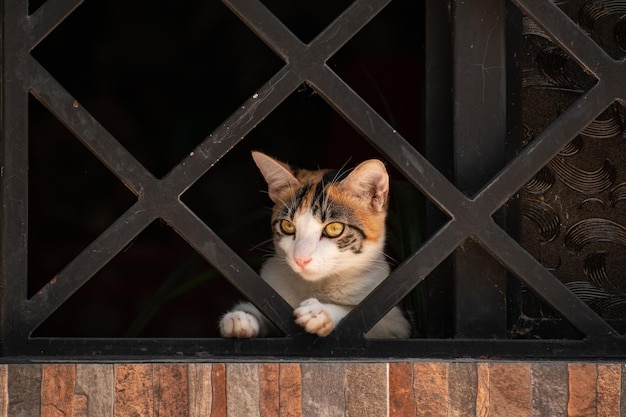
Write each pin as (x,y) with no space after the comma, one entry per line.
(373,222)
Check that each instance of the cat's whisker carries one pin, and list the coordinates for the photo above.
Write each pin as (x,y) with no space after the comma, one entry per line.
(389,257)
(264,247)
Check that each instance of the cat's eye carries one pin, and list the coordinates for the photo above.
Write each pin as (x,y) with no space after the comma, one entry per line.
(333,229)
(287,227)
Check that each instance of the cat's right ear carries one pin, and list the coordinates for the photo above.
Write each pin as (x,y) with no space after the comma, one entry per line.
(278,175)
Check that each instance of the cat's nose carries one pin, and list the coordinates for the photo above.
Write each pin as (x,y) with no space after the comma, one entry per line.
(302,262)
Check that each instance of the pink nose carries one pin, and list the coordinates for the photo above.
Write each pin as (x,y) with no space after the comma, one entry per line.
(302,262)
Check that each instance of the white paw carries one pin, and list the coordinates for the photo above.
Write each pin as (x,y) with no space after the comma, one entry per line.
(312,317)
(239,324)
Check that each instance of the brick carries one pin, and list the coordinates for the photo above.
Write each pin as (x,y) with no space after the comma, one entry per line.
(401,398)
(323,389)
(134,393)
(24,388)
(200,389)
(609,390)
(430,387)
(290,387)
(57,390)
(170,388)
(483,386)
(96,384)
(462,389)
(4,391)
(582,390)
(270,394)
(366,390)
(550,393)
(218,381)
(509,389)
(622,404)
(242,389)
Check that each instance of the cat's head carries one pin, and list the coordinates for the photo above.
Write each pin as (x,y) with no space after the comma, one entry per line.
(327,222)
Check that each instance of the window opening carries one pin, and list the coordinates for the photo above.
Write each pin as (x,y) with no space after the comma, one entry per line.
(475,204)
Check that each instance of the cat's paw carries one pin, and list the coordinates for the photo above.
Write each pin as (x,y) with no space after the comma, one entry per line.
(239,324)
(312,317)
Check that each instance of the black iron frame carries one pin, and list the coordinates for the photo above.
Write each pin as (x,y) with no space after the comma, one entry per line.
(469,205)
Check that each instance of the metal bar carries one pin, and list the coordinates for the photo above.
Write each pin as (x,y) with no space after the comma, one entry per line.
(239,273)
(568,35)
(234,129)
(50,15)
(401,281)
(419,171)
(545,285)
(407,159)
(479,124)
(266,26)
(480,92)
(438,150)
(88,130)
(510,219)
(346,26)
(544,147)
(519,172)
(85,265)
(13,166)
(277,36)
(306,347)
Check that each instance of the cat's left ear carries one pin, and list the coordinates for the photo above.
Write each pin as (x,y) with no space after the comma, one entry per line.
(368,181)
(277,175)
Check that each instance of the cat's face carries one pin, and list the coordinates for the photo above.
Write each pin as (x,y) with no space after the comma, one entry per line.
(327,223)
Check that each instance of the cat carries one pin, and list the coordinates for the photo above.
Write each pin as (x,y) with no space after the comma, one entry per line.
(328,233)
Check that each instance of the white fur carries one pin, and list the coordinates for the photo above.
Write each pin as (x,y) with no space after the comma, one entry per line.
(324,291)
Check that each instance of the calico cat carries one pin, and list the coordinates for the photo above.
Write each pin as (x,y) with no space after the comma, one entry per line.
(328,232)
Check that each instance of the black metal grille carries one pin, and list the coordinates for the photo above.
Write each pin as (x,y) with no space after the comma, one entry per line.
(482,69)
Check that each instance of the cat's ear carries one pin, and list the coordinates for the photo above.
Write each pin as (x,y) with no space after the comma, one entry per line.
(277,175)
(368,181)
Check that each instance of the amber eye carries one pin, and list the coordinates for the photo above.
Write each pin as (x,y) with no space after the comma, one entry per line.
(287,227)
(333,229)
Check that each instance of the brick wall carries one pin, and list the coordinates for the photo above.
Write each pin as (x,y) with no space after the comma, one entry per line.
(432,389)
